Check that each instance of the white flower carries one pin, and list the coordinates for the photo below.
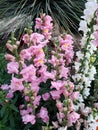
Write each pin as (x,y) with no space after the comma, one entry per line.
(83,26)
(77,77)
(83,41)
(86,92)
(87,55)
(79,54)
(91,7)
(80,99)
(77,66)
(63,128)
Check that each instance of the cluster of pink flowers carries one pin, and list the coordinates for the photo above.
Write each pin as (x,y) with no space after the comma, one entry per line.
(29,68)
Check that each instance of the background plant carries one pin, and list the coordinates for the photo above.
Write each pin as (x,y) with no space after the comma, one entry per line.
(14,15)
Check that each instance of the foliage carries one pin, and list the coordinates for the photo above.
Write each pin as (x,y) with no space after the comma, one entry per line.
(14,15)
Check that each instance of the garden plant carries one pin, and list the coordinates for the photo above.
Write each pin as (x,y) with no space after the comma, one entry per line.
(48,84)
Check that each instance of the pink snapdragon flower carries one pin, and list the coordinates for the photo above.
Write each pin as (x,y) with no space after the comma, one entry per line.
(25,54)
(13,67)
(44,74)
(9,47)
(36,101)
(55,94)
(45,25)
(36,38)
(16,84)
(45,96)
(57,85)
(72,118)
(10,94)
(74,95)
(9,57)
(4,87)
(35,86)
(39,60)
(28,73)
(60,116)
(43,114)
(48,22)
(29,118)
(63,72)
(38,23)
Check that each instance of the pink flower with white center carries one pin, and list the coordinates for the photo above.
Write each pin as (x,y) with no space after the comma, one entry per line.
(59,105)
(72,118)
(16,84)
(43,114)
(63,72)
(29,118)
(74,95)
(45,96)
(28,73)
(26,39)
(38,24)
(36,38)
(9,57)
(13,67)
(25,54)
(57,85)
(4,87)
(55,94)
(36,101)
(60,116)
